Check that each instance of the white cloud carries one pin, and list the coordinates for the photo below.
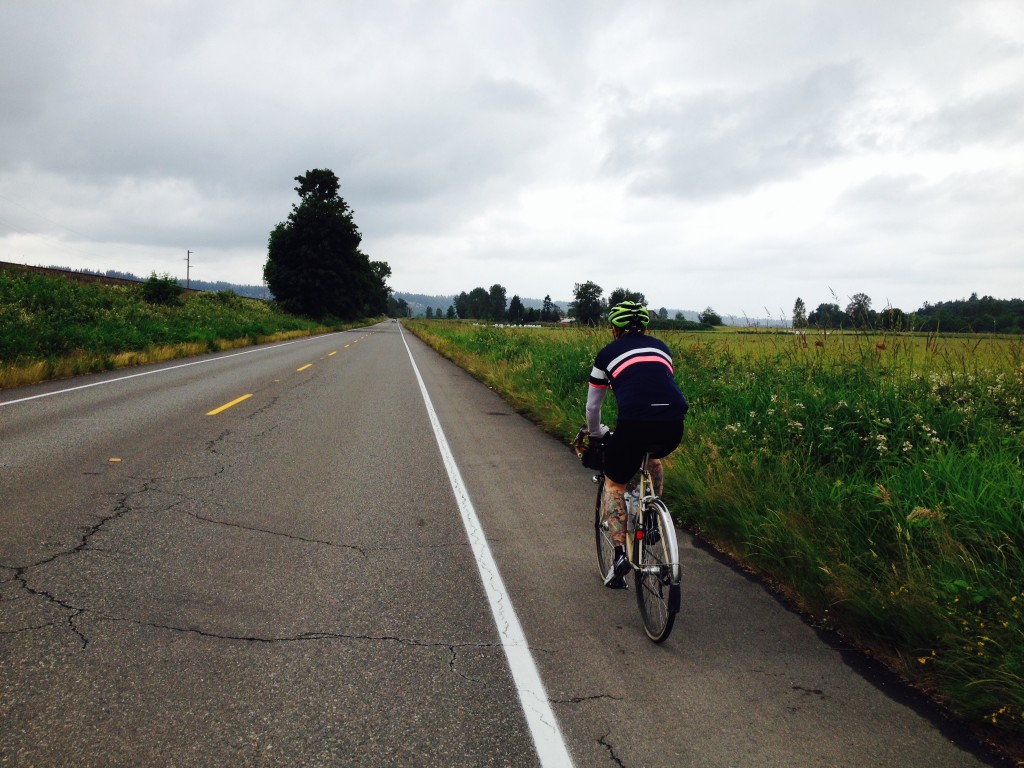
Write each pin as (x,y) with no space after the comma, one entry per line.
(730,153)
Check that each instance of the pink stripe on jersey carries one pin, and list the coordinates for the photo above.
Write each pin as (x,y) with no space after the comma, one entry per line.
(642,359)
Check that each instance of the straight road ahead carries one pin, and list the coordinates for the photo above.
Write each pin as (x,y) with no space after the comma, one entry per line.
(271,558)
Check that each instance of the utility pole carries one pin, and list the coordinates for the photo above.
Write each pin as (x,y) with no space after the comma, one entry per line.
(188,269)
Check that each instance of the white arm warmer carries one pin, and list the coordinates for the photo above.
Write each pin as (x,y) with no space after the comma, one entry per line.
(595,399)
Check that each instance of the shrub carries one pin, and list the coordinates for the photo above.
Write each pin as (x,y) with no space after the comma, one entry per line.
(161,290)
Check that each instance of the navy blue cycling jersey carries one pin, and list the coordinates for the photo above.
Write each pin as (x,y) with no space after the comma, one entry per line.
(638,368)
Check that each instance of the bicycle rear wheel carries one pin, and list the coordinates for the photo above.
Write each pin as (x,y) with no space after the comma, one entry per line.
(657,579)
(602,535)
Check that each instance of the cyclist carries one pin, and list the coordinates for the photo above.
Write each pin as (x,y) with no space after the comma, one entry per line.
(651,412)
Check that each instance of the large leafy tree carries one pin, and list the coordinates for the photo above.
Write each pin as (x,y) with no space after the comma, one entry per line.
(479,304)
(859,310)
(314,265)
(620,295)
(588,306)
(710,317)
(827,316)
(894,319)
(497,302)
(397,307)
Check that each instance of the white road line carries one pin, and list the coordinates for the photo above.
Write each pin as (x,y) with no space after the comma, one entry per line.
(162,370)
(547,736)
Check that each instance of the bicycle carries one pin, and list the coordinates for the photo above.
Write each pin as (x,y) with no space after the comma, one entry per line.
(651,548)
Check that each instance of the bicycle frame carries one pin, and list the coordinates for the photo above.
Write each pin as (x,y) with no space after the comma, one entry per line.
(657,572)
(650,503)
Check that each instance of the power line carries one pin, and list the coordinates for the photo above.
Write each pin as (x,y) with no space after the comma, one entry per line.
(47,220)
(54,243)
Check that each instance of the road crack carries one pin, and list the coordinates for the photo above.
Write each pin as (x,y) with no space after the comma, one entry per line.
(301,637)
(124,504)
(268,532)
(21,573)
(582,699)
(603,741)
(73,611)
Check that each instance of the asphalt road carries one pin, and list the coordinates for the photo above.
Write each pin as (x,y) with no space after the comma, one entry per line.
(290,581)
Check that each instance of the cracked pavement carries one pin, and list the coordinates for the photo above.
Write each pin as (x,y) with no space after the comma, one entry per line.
(289,583)
(266,588)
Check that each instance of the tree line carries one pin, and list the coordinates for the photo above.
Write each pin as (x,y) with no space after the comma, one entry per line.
(491,304)
(589,307)
(487,304)
(974,315)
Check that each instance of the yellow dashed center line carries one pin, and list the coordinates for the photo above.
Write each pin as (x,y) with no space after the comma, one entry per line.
(224,407)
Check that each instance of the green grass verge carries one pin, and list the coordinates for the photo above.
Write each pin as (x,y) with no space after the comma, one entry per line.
(877,481)
(51,327)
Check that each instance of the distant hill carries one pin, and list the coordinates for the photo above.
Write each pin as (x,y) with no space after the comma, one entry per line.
(251,291)
(418,302)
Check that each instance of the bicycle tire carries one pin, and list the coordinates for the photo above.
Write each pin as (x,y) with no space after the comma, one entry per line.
(657,579)
(602,535)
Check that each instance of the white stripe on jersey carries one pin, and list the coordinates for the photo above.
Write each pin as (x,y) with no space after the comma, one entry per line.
(640,351)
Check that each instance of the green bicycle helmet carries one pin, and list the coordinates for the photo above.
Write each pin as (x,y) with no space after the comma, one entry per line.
(629,313)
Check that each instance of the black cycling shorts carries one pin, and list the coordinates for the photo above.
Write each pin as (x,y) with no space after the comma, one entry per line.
(625,448)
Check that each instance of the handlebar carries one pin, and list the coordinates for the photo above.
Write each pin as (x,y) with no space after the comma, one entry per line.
(579,441)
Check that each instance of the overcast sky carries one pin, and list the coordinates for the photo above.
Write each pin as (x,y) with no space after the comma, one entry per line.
(736,154)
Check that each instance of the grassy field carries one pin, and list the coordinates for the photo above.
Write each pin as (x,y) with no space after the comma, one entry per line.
(875,479)
(52,327)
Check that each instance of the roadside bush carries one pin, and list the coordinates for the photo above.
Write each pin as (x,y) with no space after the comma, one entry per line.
(161,290)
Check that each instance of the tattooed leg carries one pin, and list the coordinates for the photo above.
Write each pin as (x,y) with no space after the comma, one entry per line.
(657,475)
(613,504)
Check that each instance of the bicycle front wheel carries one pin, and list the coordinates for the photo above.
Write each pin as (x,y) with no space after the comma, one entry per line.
(603,536)
(657,578)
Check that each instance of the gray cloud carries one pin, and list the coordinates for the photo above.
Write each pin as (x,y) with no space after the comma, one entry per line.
(993,118)
(717,143)
(728,148)
(966,215)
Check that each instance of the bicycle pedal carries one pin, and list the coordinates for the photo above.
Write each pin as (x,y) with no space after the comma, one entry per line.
(617,583)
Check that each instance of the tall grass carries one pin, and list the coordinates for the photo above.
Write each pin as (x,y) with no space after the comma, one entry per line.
(51,327)
(876,479)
